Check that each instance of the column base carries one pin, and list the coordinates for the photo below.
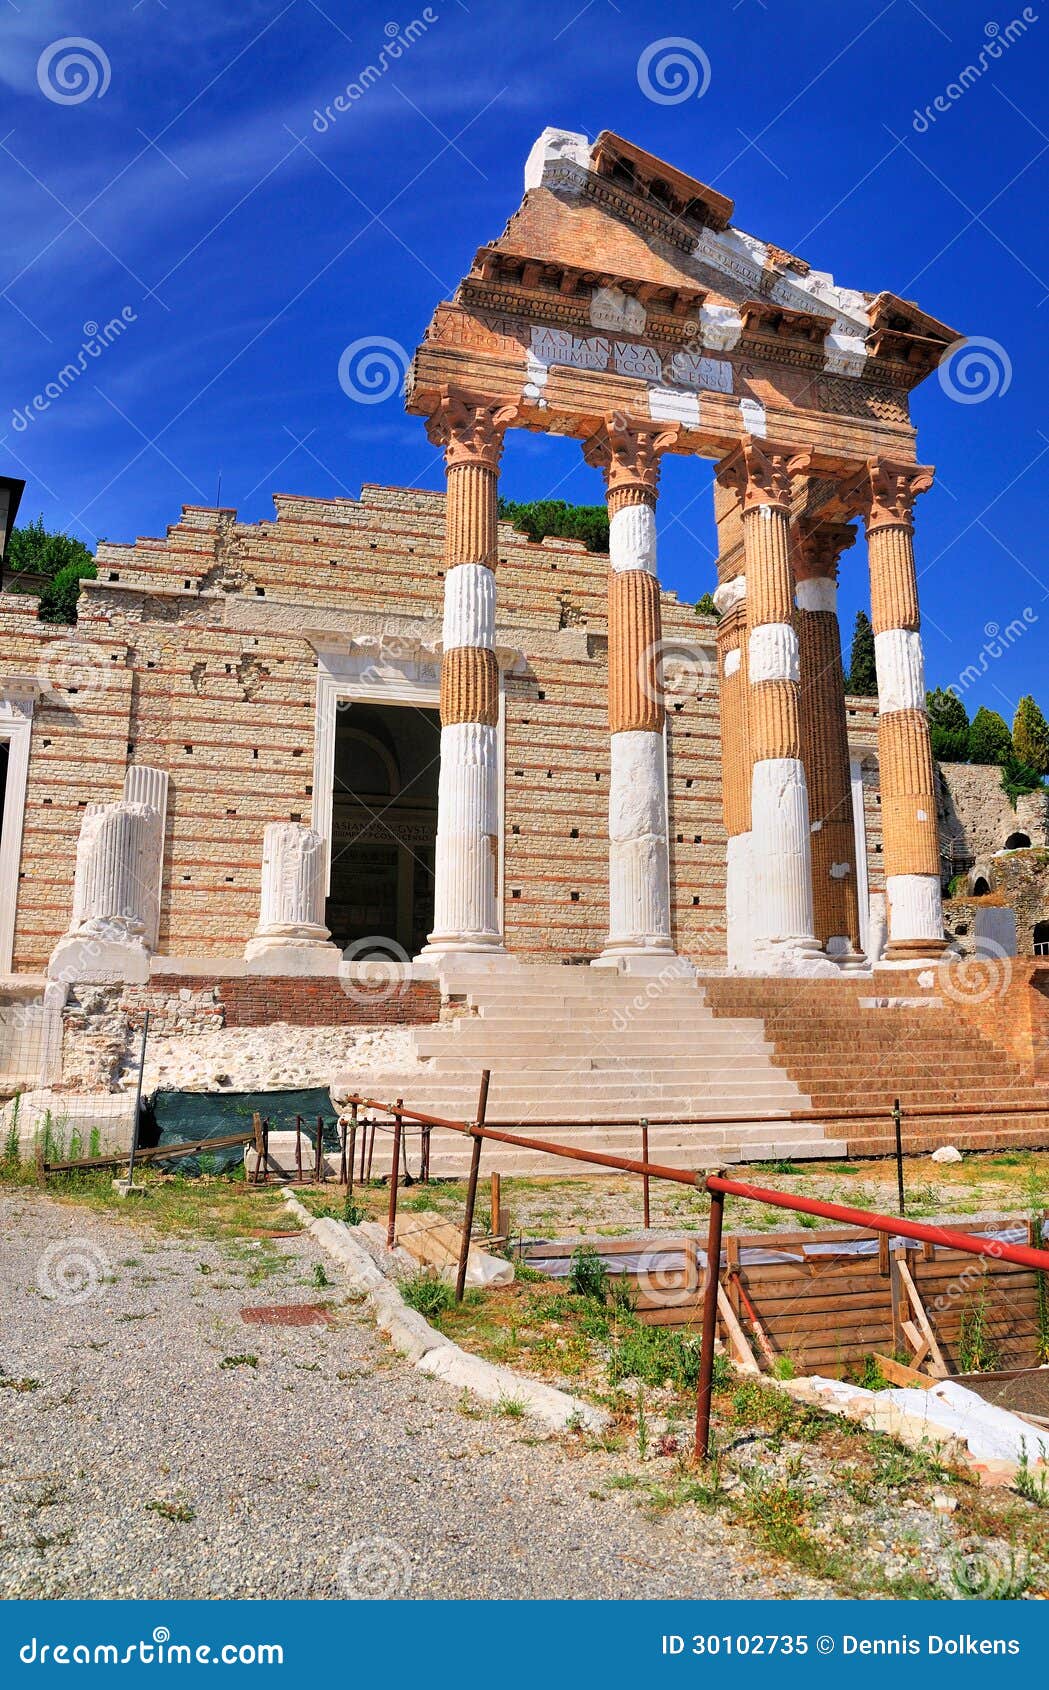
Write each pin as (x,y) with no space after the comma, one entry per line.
(270,954)
(648,960)
(799,958)
(844,955)
(908,953)
(469,953)
(107,961)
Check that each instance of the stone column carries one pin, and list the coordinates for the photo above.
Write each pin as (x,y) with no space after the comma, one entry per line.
(731,601)
(638,854)
(291,937)
(466,911)
(117,866)
(885,492)
(783,939)
(825,739)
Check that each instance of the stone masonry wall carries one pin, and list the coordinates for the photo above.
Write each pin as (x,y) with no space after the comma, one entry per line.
(193,657)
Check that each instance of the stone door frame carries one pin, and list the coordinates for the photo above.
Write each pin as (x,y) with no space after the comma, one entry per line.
(17,704)
(365,679)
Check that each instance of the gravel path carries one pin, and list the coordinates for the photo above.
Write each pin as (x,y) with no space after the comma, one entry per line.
(138,1465)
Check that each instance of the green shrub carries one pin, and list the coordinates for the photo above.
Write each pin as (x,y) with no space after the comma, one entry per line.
(430,1297)
(541,517)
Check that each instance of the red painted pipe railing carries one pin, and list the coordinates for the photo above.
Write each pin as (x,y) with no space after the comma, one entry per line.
(1021,1254)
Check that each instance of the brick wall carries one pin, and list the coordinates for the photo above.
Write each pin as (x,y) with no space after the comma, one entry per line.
(182,1003)
(184,675)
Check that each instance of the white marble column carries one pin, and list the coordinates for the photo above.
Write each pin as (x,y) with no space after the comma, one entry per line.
(291,937)
(467,920)
(639,922)
(117,867)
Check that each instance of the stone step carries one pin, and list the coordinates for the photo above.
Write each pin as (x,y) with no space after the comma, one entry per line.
(602,1062)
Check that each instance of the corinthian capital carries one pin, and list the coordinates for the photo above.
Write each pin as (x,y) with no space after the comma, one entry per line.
(884,492)
(761,472)
(470,433)
(629,454)
(819,546)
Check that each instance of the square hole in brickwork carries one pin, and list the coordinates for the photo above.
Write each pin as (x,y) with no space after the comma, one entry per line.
(574,897)
(574,834)
(515,828)
(540,694)
(515,892)
(296,816)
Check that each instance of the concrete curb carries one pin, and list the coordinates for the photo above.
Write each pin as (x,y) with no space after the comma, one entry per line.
(428,1349)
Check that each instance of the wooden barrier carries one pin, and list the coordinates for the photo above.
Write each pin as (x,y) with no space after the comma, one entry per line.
(829,1312)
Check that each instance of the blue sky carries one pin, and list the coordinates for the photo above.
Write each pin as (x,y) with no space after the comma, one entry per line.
(247,249)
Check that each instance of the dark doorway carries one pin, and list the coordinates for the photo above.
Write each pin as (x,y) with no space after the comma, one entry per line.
(980,887)
(384,826)
(1018,842)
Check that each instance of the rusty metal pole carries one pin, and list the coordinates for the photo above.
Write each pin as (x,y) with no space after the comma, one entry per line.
(342,1152)
(644,1178)
(395,1164)
(897,1121)
(471,1189)
(371,1148)
(424,1172)
(298,1148)
(318,1163)
(710,1320)
(351,1156)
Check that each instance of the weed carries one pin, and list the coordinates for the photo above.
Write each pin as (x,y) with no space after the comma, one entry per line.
(239,1361)
(588,1276)
(180,1511)
(19,1384)
(511,1408)
(430,1297)
(1034,1487)
(977,1350)
(872,1378)
(642,1426)
(352,1213)
(468,1407)
(320,1278)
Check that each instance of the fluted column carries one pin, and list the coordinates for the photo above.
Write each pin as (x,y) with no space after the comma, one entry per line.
(638,855)
(825,740)
(885,493)
(783,939)
(730,599)
(466,913)
(117,862)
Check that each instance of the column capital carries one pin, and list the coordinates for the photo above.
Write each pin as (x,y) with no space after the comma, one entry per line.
(471,432)
(883,492)
(628,453)
(819,545)
(761,472)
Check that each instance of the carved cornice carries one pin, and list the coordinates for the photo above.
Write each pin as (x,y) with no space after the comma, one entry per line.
(629,454)
(884,493)
(470,433)
(761,472)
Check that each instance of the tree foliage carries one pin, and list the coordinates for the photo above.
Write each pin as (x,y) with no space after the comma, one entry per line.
(541,517)
(58,600)
(38,551)
(989,738)
(948,726)
(1031,735)
(1018,779)
(862,679)
(705,606)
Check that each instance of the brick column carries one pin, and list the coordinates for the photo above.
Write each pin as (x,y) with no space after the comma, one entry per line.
(638,856)
(825,739)
(783,940)
(885,493)
(731,601)
(466,913)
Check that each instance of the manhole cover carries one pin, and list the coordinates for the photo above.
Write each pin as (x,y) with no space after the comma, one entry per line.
(289,1314)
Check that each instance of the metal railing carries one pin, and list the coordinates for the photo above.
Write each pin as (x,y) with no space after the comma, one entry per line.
(717,1186)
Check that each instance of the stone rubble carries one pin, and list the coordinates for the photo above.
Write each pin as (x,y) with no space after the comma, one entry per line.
(279,1057)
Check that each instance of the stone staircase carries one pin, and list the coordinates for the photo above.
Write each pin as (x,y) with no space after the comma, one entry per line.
(849,1045)
(568,1046)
